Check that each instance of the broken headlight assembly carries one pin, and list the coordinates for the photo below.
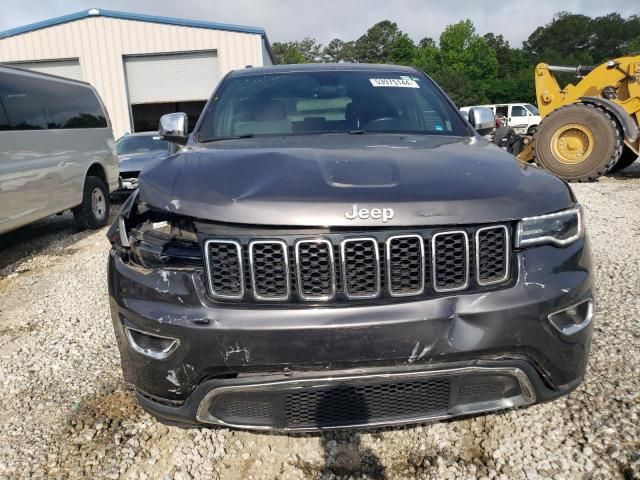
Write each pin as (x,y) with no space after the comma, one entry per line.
(153,239)
(560,228)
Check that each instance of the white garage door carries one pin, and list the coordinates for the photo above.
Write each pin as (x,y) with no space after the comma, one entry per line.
(179,77)
(62,68)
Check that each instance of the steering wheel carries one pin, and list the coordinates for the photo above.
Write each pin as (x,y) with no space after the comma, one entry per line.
(389,123)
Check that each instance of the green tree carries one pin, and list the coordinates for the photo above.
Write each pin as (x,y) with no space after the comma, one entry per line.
(468,54)
(339,51)
(403,50)
(427,42)
(564,41)
(458,86)
(481,69)
(310,49)
(375,45)
(503,53)
(287,52)
(571,39)
(633,47)
(304,51)
(427,58)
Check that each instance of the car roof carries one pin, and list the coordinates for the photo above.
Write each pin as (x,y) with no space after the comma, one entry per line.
(324,67)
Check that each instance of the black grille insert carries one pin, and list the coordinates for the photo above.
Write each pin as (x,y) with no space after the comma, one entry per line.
(354,405)
(450,258)
(360,268)
(405,265)
(315,269)
(492,255)
(224,268)
(269,269)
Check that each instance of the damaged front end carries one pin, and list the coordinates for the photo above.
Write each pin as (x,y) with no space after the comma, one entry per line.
(264,327)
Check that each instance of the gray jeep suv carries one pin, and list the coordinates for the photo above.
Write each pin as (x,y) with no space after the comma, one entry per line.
(335,246)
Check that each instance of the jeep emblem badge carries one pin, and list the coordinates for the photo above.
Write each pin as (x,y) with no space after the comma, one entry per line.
(384,214)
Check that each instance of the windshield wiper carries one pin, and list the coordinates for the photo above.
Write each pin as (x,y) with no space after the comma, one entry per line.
(232,137)
(356,132)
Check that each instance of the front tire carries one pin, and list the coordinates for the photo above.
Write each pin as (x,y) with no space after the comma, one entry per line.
(578,142)
(93,212)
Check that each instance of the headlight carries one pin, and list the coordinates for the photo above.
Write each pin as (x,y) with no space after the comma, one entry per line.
(165,243)
(153,238)
(561,228)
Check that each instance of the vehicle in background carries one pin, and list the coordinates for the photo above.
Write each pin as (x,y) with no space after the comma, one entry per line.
(58,151)
(524,118)
(135,152)
(591,128)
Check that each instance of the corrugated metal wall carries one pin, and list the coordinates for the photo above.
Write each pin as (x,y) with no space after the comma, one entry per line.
(100,44)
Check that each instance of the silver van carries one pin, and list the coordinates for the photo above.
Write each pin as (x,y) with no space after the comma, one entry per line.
(57,150)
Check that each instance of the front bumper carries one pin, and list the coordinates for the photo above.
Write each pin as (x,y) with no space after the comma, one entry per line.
(260,357)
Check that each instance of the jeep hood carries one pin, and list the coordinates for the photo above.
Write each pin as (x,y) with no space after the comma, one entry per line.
(313,180)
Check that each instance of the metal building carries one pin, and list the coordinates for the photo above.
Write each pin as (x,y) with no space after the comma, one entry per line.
(142,66)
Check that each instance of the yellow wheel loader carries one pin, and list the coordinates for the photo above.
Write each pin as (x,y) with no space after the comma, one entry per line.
(587,129)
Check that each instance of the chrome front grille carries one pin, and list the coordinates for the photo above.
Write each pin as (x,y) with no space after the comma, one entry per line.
(336,267)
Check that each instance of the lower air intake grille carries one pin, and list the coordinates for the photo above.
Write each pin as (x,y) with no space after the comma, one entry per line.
(249,409)
(343,405)
(481,391)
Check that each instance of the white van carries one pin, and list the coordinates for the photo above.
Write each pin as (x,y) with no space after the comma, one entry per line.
(524,118)
(57,150)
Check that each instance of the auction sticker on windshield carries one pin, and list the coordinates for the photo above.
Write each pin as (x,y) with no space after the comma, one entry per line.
(403,82)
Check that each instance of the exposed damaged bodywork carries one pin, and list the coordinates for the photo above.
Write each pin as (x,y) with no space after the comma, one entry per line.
(270,300)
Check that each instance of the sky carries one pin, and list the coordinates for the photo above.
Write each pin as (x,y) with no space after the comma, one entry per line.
(324,20)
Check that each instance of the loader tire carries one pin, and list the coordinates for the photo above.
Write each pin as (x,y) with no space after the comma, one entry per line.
(578,142)
(626,159)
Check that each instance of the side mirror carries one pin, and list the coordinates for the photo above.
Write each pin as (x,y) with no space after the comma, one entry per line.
(173,128)
(482,120)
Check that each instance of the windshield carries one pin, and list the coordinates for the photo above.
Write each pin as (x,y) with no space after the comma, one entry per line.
(140,144)
(533,109)
(328,102)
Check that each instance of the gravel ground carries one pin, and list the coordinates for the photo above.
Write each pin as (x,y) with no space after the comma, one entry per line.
(66,412)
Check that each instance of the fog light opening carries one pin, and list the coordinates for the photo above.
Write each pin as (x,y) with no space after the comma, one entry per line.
(151,345)
(571,320)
